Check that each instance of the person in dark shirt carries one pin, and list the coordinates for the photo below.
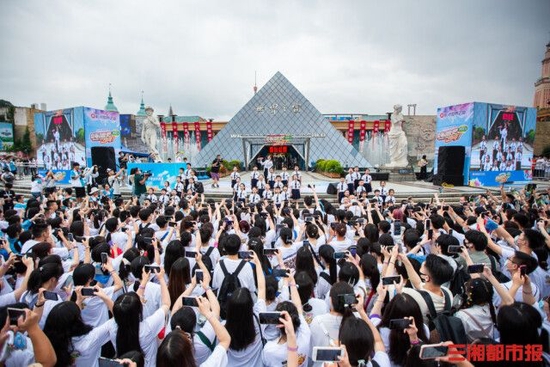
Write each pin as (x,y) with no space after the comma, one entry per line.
(215,171)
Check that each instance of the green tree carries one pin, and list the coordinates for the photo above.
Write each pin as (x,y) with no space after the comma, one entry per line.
(80,136)
(26,144)
(530,137)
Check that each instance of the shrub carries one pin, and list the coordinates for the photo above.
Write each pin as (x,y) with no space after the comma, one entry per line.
(333,166)
(320,165)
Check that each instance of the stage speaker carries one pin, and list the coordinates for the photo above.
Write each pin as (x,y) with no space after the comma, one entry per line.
(455,180)
(332,189)
(450,160)
(103,157)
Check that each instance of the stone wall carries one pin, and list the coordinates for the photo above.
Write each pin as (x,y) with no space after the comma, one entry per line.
(420,132)
(23,118)
(542,135)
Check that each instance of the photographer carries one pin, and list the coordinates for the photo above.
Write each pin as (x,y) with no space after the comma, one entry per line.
(215,171)
(140,189)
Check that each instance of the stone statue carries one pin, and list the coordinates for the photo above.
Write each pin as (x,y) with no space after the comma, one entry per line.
(149,130)
(398,140)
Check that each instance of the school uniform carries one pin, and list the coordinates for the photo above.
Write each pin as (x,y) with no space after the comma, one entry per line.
(278,200)
(254,178)
(341,189)
(356,177)
(179,188)
(349,182)
(298,175)
(271,178)
(164,199)
(234,176)
(284,178)
(295,187)
(359,190)
(152,198)
(261,187)
(267,195)
(367,179)
(278,184)
(254,198)
(241,195)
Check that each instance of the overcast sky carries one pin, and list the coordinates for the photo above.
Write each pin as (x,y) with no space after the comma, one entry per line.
(200,56)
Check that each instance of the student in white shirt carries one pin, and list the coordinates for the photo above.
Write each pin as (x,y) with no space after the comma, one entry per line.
(128,331)
(254,197)
(231,262)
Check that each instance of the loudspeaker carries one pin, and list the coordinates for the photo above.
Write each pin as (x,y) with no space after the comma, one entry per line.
(332,189)
(103,157)
(450,160)
(455,180)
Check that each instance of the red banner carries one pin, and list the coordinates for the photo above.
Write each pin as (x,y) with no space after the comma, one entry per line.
(387,126)
(363,130)
(186,137)
(376,127)
(209,130)
(351,126)
(175,137)
(198,135)
(163,136)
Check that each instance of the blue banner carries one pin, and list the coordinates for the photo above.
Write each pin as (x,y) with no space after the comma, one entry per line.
(102,130)
(63,177)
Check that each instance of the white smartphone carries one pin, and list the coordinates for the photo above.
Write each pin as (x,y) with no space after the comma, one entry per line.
(433,351)
(327,354)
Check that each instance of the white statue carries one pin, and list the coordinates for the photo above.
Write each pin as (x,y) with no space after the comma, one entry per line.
(398,140)
(149,130)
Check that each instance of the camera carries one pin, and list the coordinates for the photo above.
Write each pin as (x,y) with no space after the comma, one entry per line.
(148,173)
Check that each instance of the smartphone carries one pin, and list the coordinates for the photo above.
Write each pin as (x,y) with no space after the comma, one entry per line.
(433,351)
(148,240)
(51,296)
(453,249)
(104,257)
(153,268)
(200,276)
(348,298)
(523,270)
(339,255)
(327,354)
(69,281)
(190,254)
(390,280)
(445,207)
(308,219)
(397,228)
(270,251)
(88,291)
(245,255)
(450,232)
(430,234)
(280,273)
(361,221)
(106,362)
(270,318)
(70,237)
(172,224)
(399,324)
(190,301)
(428,224)
(353,251)
(476,268)
(14,314)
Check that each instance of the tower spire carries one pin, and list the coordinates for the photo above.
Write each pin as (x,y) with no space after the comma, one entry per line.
(255,86)
(110,106)
(141,111)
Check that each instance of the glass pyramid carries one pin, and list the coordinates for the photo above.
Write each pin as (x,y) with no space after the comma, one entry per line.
(279,108)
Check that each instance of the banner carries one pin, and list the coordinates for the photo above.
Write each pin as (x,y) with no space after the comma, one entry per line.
(198,135)
(162,172)
(163,136)
(209,130)
(186,137)
(351,126)
(387,126)
(6,135)
(362,132)
(376,127)
(175,137)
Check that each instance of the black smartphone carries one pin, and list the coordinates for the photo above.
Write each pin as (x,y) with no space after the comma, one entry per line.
(70,237)
(104,257)
(476,268)
(308,219)
(190,301)
(172,224)
(280,273)
(339,255)
(270,251)
(245,255)
(200,276)
(397,228)
(14,314)
(153,268)
(348,299)
(270,318)
(399,324)
(445,207)
(123,229)
(523,270)
(390,280)
(190,254)
(106,362)
(353,251)
(450,232)
(433,351)
(88,291)
(428,224)
(361,221)
(453,249)
(51,296)
(430,233)
(148,240)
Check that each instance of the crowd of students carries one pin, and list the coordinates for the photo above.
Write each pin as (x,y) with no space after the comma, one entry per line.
(88,277)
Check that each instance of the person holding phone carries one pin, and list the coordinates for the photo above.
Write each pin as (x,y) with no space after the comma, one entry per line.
(129,330)
(231,263)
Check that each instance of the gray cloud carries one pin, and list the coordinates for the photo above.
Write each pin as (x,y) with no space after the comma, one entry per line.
(345,56)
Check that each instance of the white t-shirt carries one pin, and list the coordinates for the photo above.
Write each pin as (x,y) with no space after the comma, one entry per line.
(439,301)
(274,353)
(148,331)
(95,312)
(218,358)
(482,315)
(246,275)
(341,246)
(318,307)
(89,346)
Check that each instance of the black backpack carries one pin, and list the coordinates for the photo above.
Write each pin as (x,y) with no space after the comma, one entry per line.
(459,279)
(229,285)
(501,277)
(443,326)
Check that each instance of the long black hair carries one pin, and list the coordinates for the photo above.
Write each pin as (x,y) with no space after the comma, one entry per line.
(358,338)
(240,319)
(304,262)
(128,313)
(64,322)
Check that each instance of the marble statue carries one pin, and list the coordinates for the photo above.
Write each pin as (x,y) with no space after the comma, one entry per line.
(398,140)
(149,131)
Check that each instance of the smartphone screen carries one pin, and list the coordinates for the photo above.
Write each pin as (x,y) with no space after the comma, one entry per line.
(245,255)
(106,362)
(70,237)
(14,315)
(453,249)
(390,280)
(339,255)
(348,299)
(476,268)
(326,354)
(523,270)
(172,224)
(153,268)
(397,229)
(353,251)
(51,296)
(270,251)
(399,324)
(104,257)
(428,224)
(280,273)
(88,291)
(200,276)
(430,234)
(432,351)
(270,318)
(190,254)
(189,301)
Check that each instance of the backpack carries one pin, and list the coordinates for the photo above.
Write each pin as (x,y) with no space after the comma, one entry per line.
(496,272)
(229,285)
(443,326)
(199,188)
(459,279)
